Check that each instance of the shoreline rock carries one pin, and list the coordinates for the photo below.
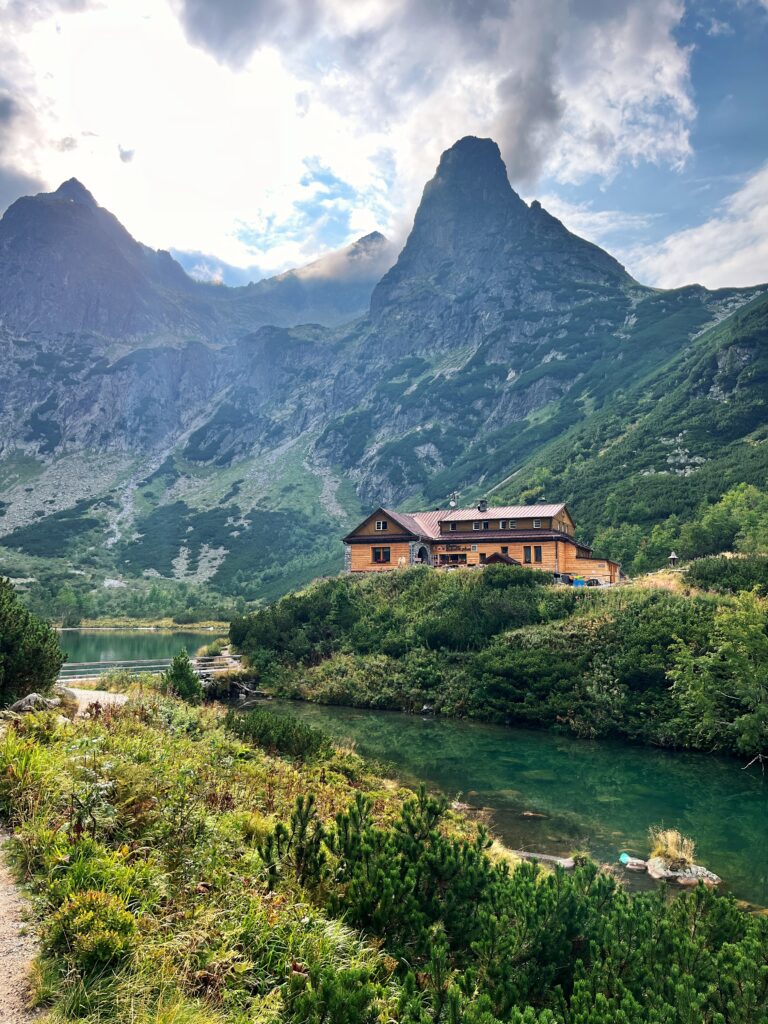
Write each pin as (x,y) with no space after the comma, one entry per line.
(689,875)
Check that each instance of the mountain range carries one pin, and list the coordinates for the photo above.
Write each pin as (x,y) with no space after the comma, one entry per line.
(157,430)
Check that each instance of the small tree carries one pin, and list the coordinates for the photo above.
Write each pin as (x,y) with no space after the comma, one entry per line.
(30,655)
(182,680)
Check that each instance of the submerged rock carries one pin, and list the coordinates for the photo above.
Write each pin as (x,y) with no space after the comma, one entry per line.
(633,863)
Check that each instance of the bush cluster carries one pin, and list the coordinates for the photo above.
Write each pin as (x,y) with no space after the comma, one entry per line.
(279,734)
(730,575)
(505,646)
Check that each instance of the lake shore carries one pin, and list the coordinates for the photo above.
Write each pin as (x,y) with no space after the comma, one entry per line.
(167,624)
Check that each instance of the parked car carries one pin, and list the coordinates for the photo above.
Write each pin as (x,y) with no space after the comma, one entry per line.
(594,583)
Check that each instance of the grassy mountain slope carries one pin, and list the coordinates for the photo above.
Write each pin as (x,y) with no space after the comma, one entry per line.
(678,437)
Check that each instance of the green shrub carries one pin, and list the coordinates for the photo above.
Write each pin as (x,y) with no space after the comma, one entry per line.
(730,575)
(377,906)
(30,655)
(93,929)
(276,733)
(181,680)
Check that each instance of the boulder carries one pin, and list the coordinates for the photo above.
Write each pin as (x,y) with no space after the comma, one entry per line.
(34,702)
(688,875)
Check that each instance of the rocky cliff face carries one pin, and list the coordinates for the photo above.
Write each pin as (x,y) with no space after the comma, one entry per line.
(175,411)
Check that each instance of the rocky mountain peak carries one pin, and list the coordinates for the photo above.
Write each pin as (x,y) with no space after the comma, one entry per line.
(372,241)
(471,169)
(474,237)
(469,196)
(76,192)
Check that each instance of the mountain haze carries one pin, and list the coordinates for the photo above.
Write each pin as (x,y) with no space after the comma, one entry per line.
(154,427)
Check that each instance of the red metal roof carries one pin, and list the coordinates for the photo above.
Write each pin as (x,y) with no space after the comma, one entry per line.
(427,524)
(503,512)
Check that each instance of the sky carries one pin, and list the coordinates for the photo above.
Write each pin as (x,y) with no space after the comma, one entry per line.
(257,135)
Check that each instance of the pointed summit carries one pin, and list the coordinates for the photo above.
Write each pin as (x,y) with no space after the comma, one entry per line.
(469,196)
(76,191)
(472,167)
(476,249)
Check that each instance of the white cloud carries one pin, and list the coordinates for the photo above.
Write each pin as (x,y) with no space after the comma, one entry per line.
(728,250)
(372,90)
(600,226)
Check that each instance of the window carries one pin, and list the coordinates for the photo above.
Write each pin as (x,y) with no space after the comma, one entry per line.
(483,557)
(477,526)
(537,553)
(512,524)
(502,524)
(527,554)
(381,555)
(505,551)
(486,524)
(382,524)
(537,524)
(452,527)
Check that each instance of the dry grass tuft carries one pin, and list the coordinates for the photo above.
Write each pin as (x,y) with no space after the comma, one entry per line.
(671,845)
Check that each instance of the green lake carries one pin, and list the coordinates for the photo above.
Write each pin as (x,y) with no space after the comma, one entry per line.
(129,644)
(600,796)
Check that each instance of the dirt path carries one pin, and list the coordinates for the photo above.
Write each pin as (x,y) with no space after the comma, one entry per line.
(88,697)
(17,948)
(17,940)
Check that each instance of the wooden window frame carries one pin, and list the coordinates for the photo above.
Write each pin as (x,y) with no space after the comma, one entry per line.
(384,556)
(477,525)
(527,554)
(451,527)
(537,555)
(504,549)
(381,525)
(486,524)
(537,524)
(511,524)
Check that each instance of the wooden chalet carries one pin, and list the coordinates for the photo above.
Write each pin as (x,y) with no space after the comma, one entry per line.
(534,536)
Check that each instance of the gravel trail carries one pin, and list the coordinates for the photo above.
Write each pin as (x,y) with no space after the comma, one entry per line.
(17,948)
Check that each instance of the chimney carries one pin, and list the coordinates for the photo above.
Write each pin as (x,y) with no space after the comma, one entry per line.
(482,505)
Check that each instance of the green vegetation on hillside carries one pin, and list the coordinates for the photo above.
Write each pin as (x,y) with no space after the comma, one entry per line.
(730,575)
(183,875)
(663,462)
(503,645)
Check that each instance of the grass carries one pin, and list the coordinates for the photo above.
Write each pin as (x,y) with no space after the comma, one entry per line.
(672,846)
(157,809)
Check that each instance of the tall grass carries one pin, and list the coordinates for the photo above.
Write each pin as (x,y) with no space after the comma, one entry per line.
(671,845)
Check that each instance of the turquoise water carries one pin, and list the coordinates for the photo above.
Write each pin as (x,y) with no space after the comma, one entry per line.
(129,644)
(599,796)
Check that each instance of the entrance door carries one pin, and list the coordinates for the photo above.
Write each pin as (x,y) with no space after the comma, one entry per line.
(422,555)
